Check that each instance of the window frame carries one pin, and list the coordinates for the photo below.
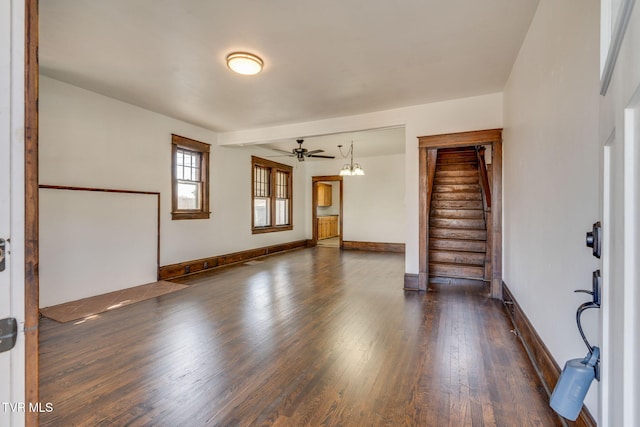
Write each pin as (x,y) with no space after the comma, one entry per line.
(203,149)
(273,168)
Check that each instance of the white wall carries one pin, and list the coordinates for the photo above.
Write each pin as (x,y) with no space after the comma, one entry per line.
(551,173)
(459,115)
(373,204)
(91,140)
(93,243)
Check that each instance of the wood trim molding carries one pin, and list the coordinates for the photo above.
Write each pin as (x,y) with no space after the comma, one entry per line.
(460,139)
(31,280)
(203,149)
(496,220)
(411,282)
(273,168)
(539,355)
(373,246)
(113,190)
(186,268)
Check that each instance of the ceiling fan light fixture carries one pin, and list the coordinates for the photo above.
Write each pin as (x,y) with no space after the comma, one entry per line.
(244,63)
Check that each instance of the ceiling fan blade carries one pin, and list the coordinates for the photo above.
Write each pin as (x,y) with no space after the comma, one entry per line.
(314,152)
(321,156)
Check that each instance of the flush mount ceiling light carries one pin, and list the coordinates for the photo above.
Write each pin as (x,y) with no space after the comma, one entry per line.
(244,63)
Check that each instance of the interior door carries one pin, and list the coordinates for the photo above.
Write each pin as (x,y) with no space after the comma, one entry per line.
(12,397)
(620,133)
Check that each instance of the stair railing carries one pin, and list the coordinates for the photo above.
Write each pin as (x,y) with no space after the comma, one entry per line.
(484,177)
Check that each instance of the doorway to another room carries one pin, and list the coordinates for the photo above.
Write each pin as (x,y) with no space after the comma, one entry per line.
(327,211)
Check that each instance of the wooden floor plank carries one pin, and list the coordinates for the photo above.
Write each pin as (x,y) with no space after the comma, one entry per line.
(312,337)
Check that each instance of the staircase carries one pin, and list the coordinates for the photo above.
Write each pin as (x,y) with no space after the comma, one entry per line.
(457,228)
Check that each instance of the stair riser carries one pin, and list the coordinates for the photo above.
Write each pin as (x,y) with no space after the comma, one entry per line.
(455,160)
(456,155)
(457,223)
(456,196)
(447,233)
(457,213)
(456,173)
(455,180)
(458,245)
(456,188)
(456,271)
(473,258)
(456,204)
(457,167)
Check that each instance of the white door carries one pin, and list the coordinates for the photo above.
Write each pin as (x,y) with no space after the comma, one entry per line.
(12,401)
(620,133)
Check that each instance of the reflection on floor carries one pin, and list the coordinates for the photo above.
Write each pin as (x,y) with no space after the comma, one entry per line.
(332,242)
(87,307)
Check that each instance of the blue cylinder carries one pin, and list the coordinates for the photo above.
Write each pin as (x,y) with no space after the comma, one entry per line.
(572,388)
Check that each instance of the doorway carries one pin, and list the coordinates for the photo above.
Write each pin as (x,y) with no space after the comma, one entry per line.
(326,210)
(429,146)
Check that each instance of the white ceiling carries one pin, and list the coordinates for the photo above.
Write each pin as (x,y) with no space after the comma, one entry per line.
(323,59)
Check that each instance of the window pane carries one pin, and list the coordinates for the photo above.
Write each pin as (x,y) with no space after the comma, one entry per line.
(261,217)
(282,212)
(261,181)
(188,165)
(188,195)
(282,185)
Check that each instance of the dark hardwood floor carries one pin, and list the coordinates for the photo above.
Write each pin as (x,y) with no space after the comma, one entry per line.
(314,337)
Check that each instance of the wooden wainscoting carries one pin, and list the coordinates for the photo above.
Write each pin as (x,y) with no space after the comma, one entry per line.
(373,246)
(173,271)
(544,364)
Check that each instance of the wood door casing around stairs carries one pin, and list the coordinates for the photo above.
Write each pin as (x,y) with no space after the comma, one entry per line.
(450,209)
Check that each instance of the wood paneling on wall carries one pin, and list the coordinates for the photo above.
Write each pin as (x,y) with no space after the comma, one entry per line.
(373,246)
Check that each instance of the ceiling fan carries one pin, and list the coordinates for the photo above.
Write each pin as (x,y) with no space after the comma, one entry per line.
(301,153)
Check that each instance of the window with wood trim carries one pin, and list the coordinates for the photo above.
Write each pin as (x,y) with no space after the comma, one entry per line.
(271,196)
(190,178)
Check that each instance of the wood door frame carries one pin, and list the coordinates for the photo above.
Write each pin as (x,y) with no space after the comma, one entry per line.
(314,205)
(427,146)
(31,232)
